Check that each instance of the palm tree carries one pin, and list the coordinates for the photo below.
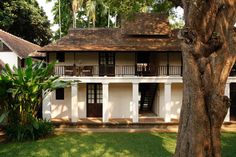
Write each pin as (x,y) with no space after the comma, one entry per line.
(76,5)
(91,11)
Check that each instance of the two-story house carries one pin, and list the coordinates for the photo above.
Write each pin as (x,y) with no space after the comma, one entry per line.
(127,73)
(13,50)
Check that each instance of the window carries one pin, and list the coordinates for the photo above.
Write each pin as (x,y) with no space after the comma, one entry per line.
(60,56)
(94,93)
(60,94)
(107,58)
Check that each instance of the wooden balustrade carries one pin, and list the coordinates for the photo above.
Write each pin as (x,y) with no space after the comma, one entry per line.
(120,70)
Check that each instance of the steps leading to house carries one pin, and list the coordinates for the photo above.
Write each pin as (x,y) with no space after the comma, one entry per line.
(144,123)
(148,92)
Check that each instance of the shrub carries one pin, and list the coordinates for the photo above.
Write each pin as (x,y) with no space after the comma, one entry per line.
(21,99)
(32,131)
(45,128)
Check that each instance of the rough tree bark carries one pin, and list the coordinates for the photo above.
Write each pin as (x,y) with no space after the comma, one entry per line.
(208,50)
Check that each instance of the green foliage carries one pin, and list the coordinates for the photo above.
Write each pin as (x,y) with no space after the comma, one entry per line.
(21,95)
(66,16)
(106,145)
(91,13)
(33,130)
(24,18)
(96,12)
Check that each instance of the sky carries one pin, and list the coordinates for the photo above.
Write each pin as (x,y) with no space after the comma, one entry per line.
(47,6)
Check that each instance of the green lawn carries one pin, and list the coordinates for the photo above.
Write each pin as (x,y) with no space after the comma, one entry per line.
(105,144)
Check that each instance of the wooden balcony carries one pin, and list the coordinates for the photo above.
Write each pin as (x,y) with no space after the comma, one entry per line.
(119,70)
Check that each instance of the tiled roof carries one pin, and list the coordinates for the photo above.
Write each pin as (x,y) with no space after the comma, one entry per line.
(146,24)
(117,39)
(104,39)
(20,46)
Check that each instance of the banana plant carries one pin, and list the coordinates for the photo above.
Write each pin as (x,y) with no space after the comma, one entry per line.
(21,89)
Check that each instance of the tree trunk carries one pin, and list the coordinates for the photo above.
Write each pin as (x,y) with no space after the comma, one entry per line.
(208,50)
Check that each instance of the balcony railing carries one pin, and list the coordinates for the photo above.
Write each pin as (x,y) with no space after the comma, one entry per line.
(120,70)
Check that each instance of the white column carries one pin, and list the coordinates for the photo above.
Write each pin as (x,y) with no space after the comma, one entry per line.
(135,100)
(105,101)
(167,101)
(47,101)
(227,93)
(74,102)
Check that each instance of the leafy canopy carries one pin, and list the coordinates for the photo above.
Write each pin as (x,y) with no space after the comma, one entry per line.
(105,13)
(24,18)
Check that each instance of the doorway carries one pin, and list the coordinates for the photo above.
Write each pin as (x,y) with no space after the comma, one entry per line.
(233,102)
(106,64)
(94,100)
(148,93)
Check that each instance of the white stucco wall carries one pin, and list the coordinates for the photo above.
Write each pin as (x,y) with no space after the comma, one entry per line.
(61,108)
(82,104)
(161,101)
(176,100)
(120,97)
(9,58)
(156,102)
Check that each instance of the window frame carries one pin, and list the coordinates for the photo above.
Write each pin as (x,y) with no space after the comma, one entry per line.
(60,57)
(94,93)
(60,94)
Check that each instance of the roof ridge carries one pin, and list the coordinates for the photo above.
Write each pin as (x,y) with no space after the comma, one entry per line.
(96,28)
(19,38)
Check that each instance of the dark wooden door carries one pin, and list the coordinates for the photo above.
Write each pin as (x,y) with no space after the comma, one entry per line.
(233,101)
(107,64)
(94,100)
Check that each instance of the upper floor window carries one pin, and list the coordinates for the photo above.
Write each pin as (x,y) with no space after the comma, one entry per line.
(3,47)
(60,56)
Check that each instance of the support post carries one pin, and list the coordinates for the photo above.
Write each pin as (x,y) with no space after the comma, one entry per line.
(74,102)
(135,115)
(227,93)
(167,100)
(168,64)
(46,107)
(105,101)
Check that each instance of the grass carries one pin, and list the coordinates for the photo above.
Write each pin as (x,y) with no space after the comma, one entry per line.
(105,145)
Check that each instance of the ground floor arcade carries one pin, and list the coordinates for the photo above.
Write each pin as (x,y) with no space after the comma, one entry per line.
(109,99)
